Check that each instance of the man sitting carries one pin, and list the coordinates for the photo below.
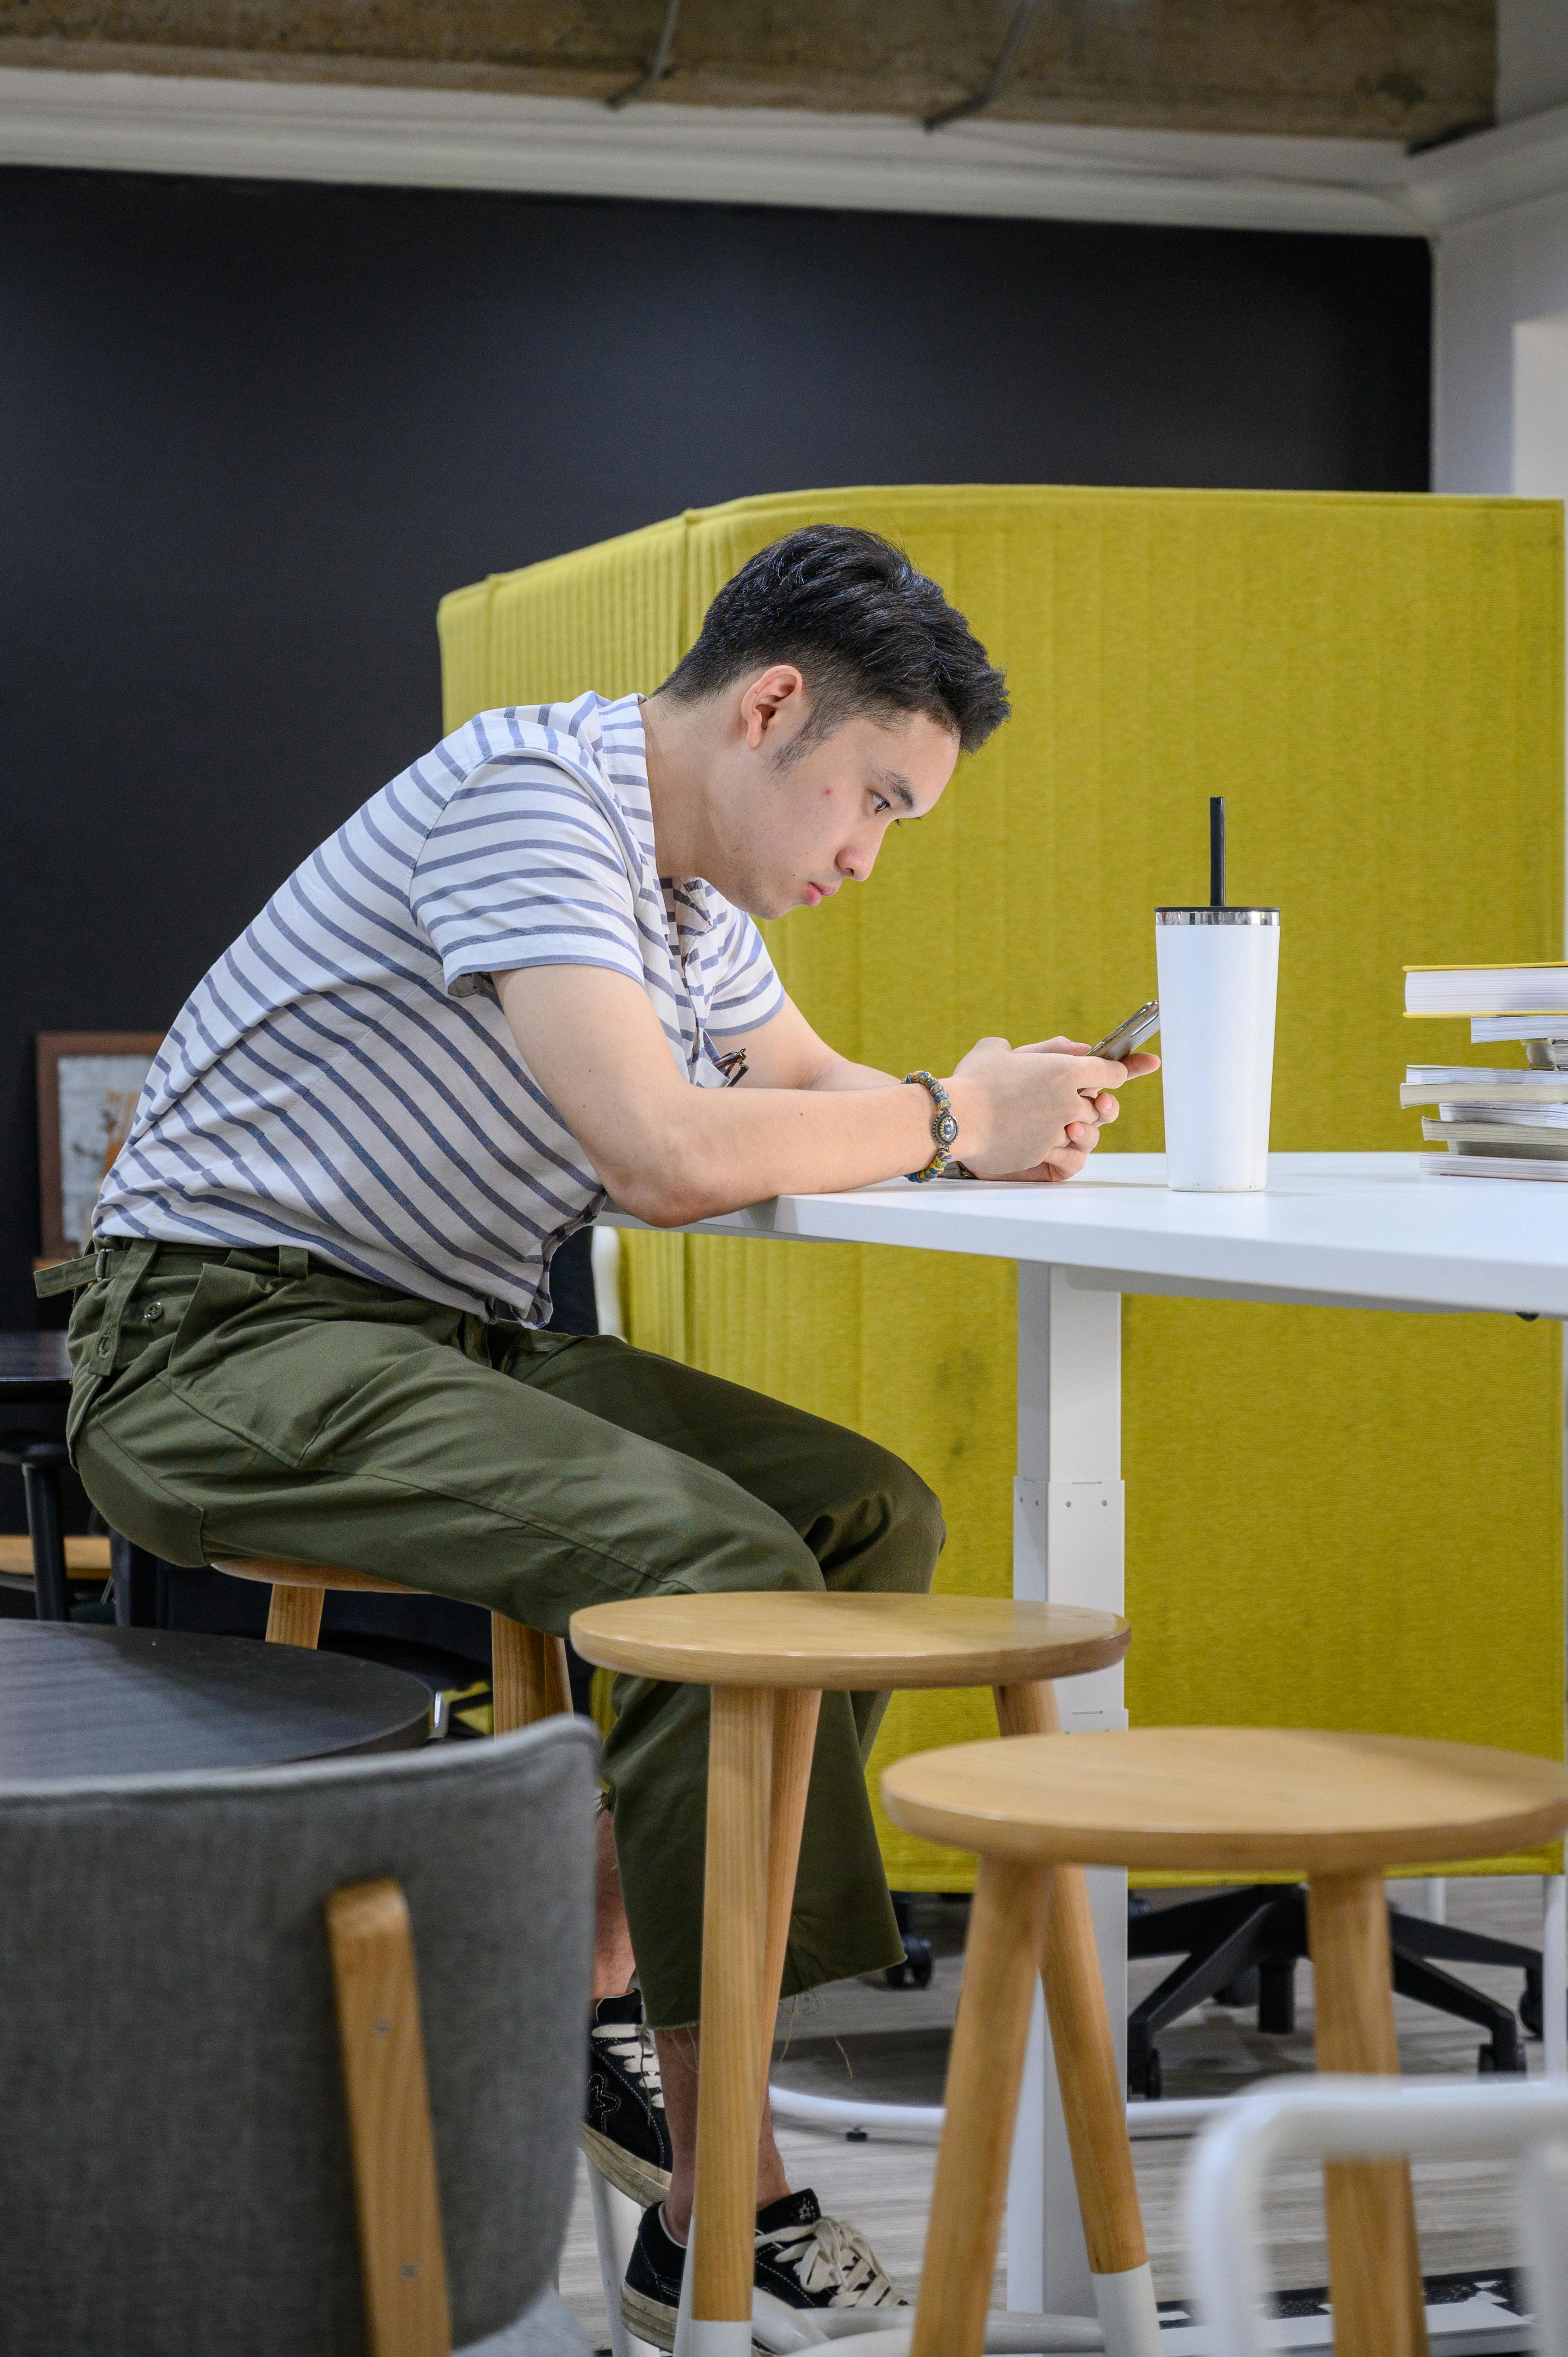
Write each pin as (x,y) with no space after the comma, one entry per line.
(523,977)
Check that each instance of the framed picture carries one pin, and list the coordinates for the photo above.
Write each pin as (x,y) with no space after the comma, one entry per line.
(87,1085)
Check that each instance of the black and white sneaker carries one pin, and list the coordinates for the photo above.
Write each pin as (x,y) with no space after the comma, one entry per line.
(803,2260)
(651,2295)
(809,2261)
(624,2132)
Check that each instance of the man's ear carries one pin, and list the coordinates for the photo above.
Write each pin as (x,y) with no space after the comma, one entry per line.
(775,695)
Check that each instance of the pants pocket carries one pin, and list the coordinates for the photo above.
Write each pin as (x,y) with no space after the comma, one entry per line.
(133,1501)
(278,1366)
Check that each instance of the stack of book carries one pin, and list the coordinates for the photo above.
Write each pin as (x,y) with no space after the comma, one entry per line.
(1495,1120)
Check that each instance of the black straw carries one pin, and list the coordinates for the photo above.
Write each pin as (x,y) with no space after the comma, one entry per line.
(1217,851)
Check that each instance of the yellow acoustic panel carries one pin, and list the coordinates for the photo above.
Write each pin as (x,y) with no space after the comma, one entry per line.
(1346,1518)
(609,618)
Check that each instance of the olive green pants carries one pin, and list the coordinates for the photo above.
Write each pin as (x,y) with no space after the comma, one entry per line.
(255,1403)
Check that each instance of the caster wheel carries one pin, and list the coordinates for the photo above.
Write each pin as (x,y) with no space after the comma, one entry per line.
(919,1963)
(1529,2012)
(1488,2066)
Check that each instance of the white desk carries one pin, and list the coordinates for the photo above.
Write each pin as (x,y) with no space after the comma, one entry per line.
(1355,1230)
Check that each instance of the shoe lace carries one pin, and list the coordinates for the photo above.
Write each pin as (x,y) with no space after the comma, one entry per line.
(631,2044)
(831,2255)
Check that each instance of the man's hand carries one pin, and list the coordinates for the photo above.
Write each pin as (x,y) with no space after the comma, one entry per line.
(1038,1109)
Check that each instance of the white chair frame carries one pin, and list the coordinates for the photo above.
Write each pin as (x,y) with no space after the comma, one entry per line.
(1350,2118)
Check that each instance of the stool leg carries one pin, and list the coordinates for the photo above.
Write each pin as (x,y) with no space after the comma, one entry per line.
(1374,2264)
(293,1615)
(729,2093)
(528,1675)
(1093,2098)
(795,1714)
(1007,1932)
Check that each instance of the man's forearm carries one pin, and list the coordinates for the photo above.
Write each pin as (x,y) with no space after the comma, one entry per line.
(734,1147)
(837,1074)
(805,1121)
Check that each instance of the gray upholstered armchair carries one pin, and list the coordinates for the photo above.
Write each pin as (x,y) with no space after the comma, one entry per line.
(212,2070)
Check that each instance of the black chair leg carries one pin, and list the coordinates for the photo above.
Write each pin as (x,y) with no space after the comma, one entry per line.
(1276,1996)
(1423,1982)
(1419,1936)
(43,1463)
(1194,1924)
(1204,1974)
(140,1586)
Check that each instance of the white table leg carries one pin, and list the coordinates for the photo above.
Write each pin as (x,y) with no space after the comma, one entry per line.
(1067,1549)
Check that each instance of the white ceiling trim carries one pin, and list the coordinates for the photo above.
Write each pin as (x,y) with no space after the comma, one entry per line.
(1518,164)
(392,136)
(467,139)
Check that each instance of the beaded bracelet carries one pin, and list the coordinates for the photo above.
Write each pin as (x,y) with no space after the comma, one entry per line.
(944,1128)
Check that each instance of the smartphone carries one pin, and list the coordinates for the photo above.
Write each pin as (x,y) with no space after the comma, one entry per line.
(1130,1034)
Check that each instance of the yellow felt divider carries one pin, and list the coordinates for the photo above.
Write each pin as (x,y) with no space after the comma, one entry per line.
(1344,1518)
(611,617)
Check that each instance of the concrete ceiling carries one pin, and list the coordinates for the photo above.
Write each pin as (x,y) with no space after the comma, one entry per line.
(1415,71)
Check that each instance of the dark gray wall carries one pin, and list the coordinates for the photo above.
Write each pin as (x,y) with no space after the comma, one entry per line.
(249,434)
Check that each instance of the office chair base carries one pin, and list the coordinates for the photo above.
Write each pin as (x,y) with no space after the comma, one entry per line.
(1242,1947)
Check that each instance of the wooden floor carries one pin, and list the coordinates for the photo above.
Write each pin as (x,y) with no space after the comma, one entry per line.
(890,2045)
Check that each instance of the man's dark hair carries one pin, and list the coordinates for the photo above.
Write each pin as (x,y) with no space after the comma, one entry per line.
(866,631)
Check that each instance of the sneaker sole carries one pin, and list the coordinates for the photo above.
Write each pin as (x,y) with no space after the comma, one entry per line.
(649,2318)
(639,2180)
(652,2321)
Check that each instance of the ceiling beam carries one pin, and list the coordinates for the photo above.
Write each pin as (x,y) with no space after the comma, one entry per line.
(462,139)
(1412,70)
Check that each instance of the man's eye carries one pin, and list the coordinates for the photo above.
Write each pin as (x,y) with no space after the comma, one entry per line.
(882,802)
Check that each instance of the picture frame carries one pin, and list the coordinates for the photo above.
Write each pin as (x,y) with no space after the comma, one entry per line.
(88,1083)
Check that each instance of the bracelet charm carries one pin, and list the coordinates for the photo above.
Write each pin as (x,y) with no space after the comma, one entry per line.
(944,1127)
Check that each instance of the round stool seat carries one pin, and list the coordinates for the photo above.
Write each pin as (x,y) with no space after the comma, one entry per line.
(275,1573)
(853,1642)
(528,1668)
(1222,1797)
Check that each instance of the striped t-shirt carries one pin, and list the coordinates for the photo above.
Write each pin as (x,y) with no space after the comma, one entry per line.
(344,1078)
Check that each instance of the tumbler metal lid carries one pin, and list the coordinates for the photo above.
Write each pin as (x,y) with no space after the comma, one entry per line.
(1217,916)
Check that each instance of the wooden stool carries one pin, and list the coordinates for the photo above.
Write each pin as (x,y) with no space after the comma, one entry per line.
(1338,1808)
(528,1669)
(768,1659)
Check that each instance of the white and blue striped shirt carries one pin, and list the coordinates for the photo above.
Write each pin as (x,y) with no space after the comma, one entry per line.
(344,1078)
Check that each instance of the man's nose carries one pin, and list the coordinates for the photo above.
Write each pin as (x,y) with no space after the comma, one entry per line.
(857,859)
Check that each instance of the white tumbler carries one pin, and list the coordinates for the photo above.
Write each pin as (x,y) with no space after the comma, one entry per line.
(1218,973)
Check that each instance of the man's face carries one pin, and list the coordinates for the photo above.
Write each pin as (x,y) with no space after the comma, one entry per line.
(796,820)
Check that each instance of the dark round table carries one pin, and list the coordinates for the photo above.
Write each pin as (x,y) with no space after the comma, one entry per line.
(79,1701)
